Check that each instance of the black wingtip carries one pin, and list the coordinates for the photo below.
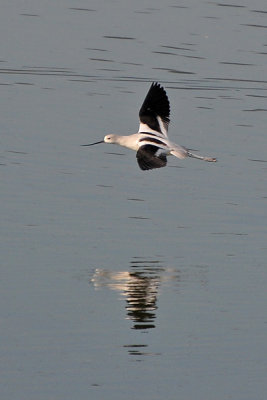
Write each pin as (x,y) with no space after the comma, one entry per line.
(147,158)
(155,104)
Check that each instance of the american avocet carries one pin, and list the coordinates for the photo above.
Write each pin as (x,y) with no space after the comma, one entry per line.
(151,142)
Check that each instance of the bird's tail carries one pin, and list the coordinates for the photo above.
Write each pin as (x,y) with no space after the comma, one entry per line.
(179,151)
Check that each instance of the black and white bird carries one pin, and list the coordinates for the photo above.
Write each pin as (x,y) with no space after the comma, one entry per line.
(151,142)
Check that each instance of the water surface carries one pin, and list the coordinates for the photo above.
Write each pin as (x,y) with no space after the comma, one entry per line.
(118,283)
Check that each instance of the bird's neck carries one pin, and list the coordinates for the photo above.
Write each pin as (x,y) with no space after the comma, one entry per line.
(131,141)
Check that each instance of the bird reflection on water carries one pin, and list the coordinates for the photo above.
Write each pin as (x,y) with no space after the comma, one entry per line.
(139,286)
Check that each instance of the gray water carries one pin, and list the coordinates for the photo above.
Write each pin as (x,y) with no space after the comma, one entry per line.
(117,283)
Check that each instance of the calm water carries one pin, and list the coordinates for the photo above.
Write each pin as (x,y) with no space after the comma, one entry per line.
(117,283)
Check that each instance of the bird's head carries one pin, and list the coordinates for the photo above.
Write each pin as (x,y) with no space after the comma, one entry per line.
(110,139)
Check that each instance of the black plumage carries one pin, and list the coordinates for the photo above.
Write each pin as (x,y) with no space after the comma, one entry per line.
(147,158)
(156,104)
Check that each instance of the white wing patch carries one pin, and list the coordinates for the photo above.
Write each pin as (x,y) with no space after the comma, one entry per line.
(146,129)
(163,126)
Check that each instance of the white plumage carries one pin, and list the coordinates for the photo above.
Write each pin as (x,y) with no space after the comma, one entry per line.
(151,143)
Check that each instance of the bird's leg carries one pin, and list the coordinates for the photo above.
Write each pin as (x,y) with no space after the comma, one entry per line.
(209,159)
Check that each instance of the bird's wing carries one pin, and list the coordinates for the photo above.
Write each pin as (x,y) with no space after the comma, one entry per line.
(155,111)
(148,158)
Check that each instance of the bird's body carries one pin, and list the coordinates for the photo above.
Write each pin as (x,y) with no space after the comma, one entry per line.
(151,142)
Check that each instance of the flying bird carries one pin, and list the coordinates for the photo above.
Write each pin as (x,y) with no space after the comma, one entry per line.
(151,142)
